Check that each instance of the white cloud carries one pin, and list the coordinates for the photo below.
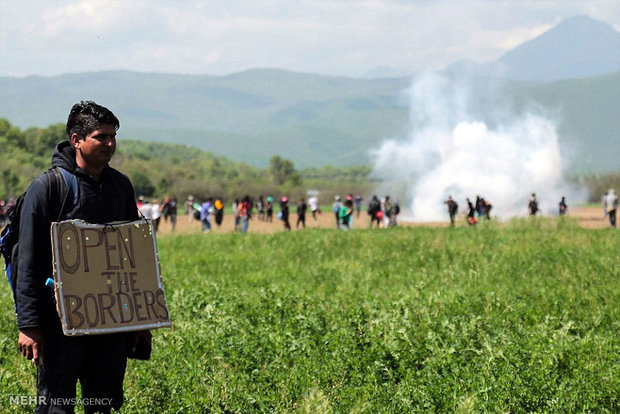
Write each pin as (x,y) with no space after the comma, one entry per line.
(217,36)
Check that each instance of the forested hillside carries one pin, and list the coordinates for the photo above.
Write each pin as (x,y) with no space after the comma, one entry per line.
(159,170)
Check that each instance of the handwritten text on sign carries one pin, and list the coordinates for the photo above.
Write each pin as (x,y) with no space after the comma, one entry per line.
(107,277)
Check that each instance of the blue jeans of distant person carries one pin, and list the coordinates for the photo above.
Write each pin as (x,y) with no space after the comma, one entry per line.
(244,224)
(206,226)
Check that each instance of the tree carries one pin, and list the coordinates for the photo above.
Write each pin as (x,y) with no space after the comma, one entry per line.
(282,171)
(142,184)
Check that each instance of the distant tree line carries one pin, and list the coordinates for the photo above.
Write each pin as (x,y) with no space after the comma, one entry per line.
(158,170)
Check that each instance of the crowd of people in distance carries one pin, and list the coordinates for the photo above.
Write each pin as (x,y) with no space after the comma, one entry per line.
(383,212)
(482,208)
(155,210)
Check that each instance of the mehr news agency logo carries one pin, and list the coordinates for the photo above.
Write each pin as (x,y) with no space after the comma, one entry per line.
(42,400)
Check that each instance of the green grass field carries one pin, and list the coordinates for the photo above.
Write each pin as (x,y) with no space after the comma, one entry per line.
(519,318)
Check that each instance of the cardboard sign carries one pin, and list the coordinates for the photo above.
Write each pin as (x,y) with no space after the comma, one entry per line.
(107,277)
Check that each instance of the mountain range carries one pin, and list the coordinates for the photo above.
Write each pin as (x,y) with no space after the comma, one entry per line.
(318,120)
(578,47)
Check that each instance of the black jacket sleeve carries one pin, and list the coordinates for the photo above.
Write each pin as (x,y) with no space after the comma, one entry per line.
(34,300)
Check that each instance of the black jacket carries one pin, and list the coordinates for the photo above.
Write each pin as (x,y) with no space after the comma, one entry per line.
(112,199)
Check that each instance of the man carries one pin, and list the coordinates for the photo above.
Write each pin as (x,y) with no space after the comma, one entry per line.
(104,195)
(336,207)
(219,211)
(189,208)
(205,216)
(358,205)
(284,213)
(146,208)
(610,206)
(301,213)
(245,213)
(471,213)
(533,205)
(169,211)
(374,207)
(387,212)
(313,202)
(562,207)
(453,209)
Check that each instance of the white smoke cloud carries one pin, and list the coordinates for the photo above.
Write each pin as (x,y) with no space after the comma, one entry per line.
(466,139)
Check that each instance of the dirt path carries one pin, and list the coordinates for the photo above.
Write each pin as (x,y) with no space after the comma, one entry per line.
(588,217)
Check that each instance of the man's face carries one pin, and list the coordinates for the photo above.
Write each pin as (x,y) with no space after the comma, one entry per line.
(98,147)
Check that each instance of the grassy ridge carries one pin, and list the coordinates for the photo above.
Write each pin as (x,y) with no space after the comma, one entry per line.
(516,319)
(312,120)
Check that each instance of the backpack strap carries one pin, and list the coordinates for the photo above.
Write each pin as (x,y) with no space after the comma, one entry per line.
(62,183)
(71,183)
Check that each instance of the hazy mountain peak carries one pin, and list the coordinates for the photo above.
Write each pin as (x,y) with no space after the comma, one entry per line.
(577,47)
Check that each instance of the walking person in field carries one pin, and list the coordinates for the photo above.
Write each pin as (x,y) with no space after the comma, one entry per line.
(562,207)
(345,214)
(387,208)
(235,209)
(301,213)
(156,213)
(350,197)
(269,209)
(245,213)
(146,209)
(487,209)
(610,206)
(205,216)
(358,205)
(374,207)
(479,206)
(261,208)
(169,211)
(313,202)
(471,213)
(336,208)
(105,195)
(189,208)
(533,205)
(453,209)
(284,213)
(219,212)
(395,213)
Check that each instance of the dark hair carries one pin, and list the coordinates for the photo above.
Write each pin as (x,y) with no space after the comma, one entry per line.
(87,116)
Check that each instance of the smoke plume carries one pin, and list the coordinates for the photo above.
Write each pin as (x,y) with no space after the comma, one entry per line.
(467,138)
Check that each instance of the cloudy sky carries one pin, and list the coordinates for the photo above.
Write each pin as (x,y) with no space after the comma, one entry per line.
(336,37)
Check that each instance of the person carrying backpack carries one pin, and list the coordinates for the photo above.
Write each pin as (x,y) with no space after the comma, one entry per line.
(374,207)
(102,195)
(533,205)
